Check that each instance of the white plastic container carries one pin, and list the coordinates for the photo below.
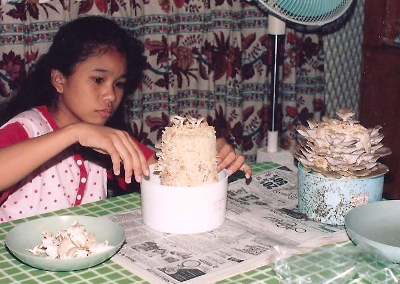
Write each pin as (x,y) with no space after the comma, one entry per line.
(183,210)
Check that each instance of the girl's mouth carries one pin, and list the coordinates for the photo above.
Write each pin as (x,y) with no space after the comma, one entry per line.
(105,112)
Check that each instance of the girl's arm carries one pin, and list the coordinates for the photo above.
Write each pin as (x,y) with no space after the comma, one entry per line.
(20,159)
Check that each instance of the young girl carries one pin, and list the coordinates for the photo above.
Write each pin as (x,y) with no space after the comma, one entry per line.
(63,117)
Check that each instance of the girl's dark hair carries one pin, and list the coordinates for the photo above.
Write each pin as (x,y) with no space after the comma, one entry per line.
(75,42)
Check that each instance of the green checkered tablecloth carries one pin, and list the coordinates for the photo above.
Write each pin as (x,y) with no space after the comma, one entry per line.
(13,271)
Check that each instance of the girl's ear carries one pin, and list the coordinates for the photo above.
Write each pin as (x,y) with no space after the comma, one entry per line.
(57,80)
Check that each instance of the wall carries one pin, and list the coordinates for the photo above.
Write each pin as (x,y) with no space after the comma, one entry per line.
(343,49)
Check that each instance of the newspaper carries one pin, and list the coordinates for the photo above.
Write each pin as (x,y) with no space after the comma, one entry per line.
(260,215)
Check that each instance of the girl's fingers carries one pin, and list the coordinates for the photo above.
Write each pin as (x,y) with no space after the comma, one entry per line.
(133,159)
(126,157)
(247,170)
(118,145)
(226,156)
(114,155)
(139,163)
(236,164)
(142,159)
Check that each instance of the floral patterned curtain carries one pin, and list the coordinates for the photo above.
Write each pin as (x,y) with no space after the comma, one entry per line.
(208,59)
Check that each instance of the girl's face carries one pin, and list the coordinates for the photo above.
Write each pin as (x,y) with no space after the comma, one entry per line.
(93,92)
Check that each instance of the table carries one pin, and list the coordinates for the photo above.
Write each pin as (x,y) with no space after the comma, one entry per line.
(13,271)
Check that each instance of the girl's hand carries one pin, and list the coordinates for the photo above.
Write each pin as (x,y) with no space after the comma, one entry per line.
(118,145)
(227,158)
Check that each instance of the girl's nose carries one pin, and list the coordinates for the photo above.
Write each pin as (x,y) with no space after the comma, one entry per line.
(110,95)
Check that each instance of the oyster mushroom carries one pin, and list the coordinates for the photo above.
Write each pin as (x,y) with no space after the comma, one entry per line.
(73,242)
(78,239)
(36,250)
(91,239)
(65,246)
(51,251)
(78,253)
(341,147)
(97,248)
(345,113)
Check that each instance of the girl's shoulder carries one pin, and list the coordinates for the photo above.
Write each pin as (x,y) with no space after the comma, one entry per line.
(36,121)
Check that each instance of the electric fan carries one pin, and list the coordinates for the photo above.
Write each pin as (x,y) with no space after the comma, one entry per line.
(303,12)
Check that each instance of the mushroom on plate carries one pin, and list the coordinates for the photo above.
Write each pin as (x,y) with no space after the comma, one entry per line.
(73,242)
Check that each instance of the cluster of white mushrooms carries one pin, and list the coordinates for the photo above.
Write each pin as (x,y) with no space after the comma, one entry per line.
(188,120)
(73,242)
(188,153)
(341,148)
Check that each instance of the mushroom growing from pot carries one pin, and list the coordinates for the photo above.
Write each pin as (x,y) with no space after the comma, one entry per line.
(341,148)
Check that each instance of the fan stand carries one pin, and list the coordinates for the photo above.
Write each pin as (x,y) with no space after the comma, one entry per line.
(304,12)
(272,153)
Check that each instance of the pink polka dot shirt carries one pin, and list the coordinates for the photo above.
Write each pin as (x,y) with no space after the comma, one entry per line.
(66,180)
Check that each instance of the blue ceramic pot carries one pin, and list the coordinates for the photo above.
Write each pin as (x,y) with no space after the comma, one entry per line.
(327,200)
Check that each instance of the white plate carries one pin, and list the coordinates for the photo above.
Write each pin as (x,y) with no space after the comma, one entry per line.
(378,225)
(28,234)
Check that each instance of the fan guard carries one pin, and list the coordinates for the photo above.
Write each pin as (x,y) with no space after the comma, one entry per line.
(307,12)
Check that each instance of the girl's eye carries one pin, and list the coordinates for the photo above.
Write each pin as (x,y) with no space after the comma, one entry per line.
(120,85)
(98,80)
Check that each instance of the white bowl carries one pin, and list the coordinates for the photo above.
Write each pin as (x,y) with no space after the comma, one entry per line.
(183,210)
(377,225)
(28,234)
